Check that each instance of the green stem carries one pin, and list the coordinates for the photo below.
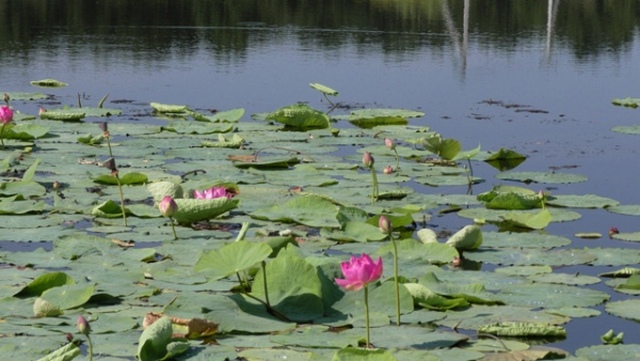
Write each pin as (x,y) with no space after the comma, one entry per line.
(366,313)
(374,191)
(173,228)
(397,160)
(243,231)
(2,139)
(109,145)
(264,279)
(395,277)
(90,348)
(124,213)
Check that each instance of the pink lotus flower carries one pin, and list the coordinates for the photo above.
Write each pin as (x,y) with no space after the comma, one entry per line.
(213,193)
(6,114)
(390,143)
(359,272)
(168,206)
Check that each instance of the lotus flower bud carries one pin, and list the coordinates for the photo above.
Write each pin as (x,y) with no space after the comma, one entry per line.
(387,170)
(168,206)
(384,224)
(367,160)
(390,143)
(6,98)
(83,325)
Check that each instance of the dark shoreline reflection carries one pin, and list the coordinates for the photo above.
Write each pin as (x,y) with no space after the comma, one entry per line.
(589,28)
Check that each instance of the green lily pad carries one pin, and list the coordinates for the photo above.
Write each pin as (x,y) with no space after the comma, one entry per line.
(582,201)
(542,177)
(311,211)
(324,89)
(628,309)
(168,108)
(232,258)
(132,178)
(353,354)
(69,296)
(156,342)
(627,129)
(610,352)
(523,329)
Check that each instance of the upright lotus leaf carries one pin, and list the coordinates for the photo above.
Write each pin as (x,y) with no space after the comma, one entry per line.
(468,238)
(444,148)
(195,210)
(49,83)
(626,102)
(361,354)
(66,352)
(45,282)
(505,159)
(168,108)
(232,258)
(293,285)
(300,117)
(160,189)
(156,342)
(311,211)
(324,89)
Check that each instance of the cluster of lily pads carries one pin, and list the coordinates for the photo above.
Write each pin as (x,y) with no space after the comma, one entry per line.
(250,273)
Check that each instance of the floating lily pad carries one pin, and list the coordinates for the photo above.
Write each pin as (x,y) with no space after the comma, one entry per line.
(610,352)
(311,211)
(627,129)
(582,201)
(627,102)
(542,177)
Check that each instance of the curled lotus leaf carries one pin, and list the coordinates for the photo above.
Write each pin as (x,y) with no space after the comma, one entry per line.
(195,210)
(324,89)
(523,329)
(468,238)
(49,83)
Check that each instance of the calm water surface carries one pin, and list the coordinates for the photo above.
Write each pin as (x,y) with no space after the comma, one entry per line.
(568,58)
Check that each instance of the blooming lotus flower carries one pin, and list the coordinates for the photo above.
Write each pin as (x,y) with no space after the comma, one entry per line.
(359,272)
(213,193)
(6,114)
(168,206)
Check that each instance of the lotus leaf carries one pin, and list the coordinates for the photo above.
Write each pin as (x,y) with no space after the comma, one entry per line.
(312,211)
(64,353)
(582,201)
(323,89)
(627,102)
(49,83)
(232,258)
(168,108)
(469,238)
(542,177)
(353,354)
(300,117)
(610,352)
(523,329)
(195,210)
(293,285)
(156,342)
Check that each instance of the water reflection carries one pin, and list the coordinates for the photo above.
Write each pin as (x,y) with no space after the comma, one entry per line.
(150,27)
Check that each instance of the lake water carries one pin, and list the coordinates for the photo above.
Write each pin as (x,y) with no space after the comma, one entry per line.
(566,58)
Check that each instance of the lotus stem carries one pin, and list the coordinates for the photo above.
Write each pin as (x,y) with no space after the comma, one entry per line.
(1,138)
(243,231)
(366,314)
(173,228)
(124,213)
(90,348)
(395,277)
(264,279)
(374,190)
